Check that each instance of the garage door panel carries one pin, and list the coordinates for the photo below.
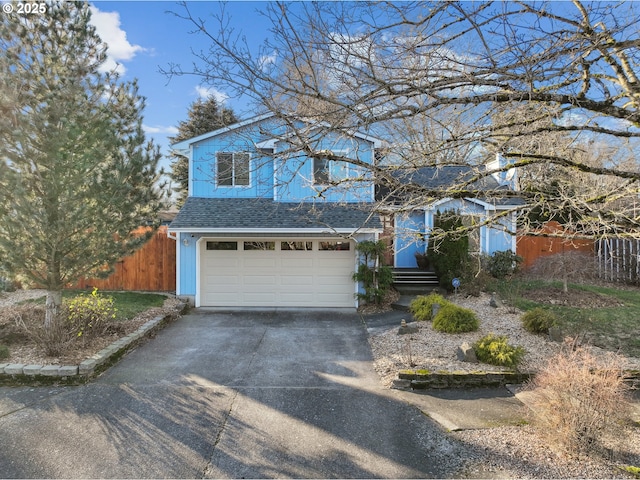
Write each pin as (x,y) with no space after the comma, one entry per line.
(301,299)
(220,298)
(297,261)
(221,280)
(254,278)
(260,262)
(258,299)
(220,263)
(259,280)
(295,280)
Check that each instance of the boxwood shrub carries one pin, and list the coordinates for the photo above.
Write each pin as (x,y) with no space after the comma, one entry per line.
(539,320)
(494,350)
(454,319)
(422,307)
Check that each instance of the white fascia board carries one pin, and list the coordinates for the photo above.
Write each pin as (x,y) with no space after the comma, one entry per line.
(186,144)
(490,206)
(285,231)
(437,203)
(271,143)
(486,205)
(181,151)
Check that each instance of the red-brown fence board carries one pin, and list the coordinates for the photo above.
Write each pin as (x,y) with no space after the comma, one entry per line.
(532,247)
(150,268)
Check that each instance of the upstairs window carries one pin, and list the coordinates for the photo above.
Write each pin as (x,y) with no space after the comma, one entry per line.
(321,171)
(233,169)
(327,171)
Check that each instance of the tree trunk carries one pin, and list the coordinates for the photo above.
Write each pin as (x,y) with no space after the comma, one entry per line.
(54,301)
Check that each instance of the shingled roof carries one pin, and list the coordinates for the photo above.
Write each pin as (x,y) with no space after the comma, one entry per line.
(259,213)
(438,177)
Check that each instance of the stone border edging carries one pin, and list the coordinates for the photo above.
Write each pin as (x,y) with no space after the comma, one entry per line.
(19,374)
(422,380)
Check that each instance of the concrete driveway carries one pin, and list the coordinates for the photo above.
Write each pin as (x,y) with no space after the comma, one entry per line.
(229,395)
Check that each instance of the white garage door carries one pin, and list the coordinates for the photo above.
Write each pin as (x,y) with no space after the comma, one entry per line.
(277,273)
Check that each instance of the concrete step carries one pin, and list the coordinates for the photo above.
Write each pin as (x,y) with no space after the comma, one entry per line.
(412,281)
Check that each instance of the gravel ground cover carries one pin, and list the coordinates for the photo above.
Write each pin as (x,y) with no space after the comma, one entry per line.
(435,351)
(513,451)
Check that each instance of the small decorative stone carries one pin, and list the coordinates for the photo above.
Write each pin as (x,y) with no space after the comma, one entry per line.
(555,334)
(495,301)
(466,353)
(406,328)
(435,308)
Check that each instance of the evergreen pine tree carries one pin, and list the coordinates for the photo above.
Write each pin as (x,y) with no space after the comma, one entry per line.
(77,175)
(203,116)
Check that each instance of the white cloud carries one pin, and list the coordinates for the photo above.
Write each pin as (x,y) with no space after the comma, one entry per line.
(206,92)
(160,129)
(266,60)
(107,26)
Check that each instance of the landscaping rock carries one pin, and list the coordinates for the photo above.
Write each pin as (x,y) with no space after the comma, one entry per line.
(495,301)
(466,353)
(406,328)
(555,334)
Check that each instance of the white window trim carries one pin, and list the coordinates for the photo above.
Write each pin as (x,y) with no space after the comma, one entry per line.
(233,166)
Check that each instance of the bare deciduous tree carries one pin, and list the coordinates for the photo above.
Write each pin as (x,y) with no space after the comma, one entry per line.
(450,83)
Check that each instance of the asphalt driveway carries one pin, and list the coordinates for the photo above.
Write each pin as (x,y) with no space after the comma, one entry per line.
(229,395)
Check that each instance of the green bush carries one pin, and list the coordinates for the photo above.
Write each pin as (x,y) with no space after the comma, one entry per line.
(538,320)
(422,307)
(4,352)
(495,350)
(375,277)
(87,315)
(503,263)
(474,285)
(454,319)
(448,248)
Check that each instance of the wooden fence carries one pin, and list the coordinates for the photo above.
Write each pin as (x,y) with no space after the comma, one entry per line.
(532,247)
(618,260)
(151,268)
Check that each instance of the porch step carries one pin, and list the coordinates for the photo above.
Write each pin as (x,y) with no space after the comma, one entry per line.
(412,281)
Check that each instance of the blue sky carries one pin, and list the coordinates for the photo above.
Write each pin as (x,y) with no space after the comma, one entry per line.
(142,37)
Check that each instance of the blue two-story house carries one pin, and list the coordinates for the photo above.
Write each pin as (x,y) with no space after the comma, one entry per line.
(266,224)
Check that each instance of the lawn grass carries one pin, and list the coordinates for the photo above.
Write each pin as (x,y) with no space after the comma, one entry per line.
(615,328)
(128,304)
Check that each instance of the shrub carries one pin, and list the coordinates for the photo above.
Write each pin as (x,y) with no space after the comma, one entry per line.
(29,319)
(7,282)
(454,319)
(422,307)
(376,278)
(503,263)
(579,398)
(495,350)
(474,285)
(448,248)
(88,315)
(4,352)
(538,320)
